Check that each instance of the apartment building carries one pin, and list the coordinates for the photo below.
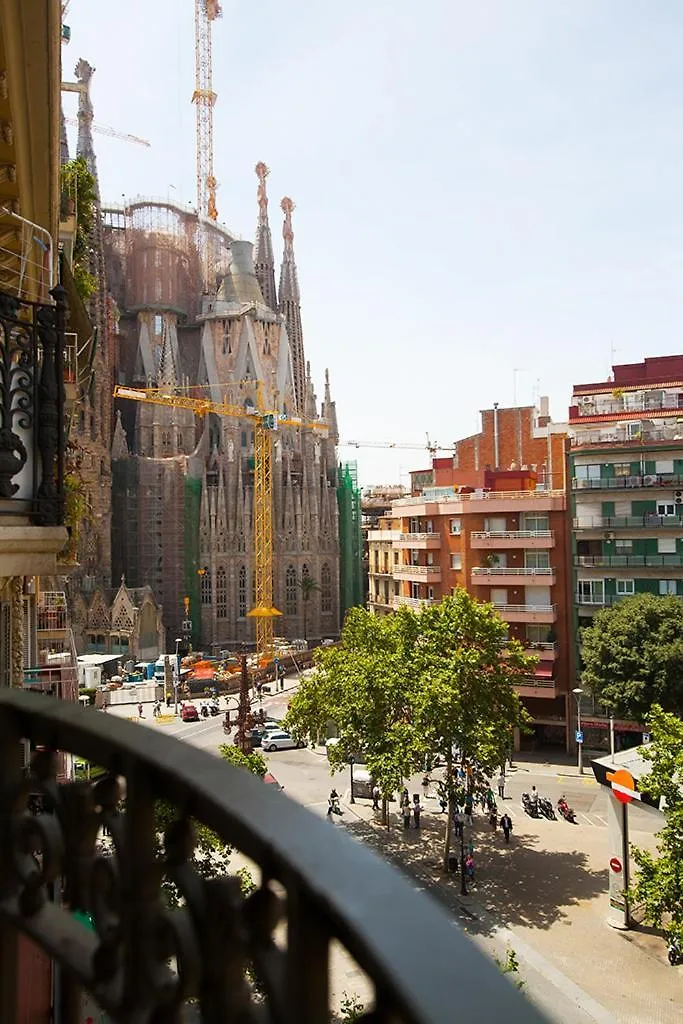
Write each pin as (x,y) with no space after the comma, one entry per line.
(383,556)
(506,542)
(625,471)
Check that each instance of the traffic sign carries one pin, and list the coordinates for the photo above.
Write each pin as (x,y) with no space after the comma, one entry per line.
(615,865)
(579,736)
(646,737)
(623,786)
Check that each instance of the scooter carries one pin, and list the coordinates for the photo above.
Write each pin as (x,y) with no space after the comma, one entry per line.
(674,952)
(528,806)
(334,806)
(546,809)
(204,711)
(566,811)
(214,709)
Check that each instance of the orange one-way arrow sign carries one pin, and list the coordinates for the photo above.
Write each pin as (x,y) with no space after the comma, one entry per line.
(623,785)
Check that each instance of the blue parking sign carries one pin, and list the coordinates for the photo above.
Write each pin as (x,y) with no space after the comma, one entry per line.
(579,736)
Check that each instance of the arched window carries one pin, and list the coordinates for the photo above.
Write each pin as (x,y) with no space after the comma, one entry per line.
(305,572)
(242,592)
(290,591)
(325,589)
(221,595)
(206,587)
(179,441)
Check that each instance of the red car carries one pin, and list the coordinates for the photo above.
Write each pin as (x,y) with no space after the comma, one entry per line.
(189,713)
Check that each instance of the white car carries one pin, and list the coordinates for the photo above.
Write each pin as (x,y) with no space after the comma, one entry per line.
(280,741)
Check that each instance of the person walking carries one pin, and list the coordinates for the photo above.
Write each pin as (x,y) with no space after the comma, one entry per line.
(375,797)
(506,825)
(139,710)
(490,800)
(443,798)
(405,811)
(425,786)
(459,823)
(469,804)
(493,819)
(417,810)
(501,785)
(469,867)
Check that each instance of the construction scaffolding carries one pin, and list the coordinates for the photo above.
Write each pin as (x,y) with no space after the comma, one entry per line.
(350,539)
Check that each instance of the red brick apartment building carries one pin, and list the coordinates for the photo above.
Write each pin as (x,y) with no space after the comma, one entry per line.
(493,520)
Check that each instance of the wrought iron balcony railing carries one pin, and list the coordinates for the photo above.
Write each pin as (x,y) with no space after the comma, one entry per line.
(32,435)
(144,960)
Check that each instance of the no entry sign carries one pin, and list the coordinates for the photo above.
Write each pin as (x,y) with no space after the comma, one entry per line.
(615,865)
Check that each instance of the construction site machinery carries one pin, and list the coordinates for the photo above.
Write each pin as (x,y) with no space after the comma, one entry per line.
(265,423)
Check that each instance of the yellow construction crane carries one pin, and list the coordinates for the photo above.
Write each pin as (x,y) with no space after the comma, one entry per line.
(205,12)
(432,448)
(265,423)
(104,129)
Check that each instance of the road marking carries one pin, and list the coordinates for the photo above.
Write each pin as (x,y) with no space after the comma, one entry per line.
(600,818)
(587,819)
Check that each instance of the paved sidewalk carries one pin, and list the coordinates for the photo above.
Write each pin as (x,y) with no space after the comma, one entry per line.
(546,899)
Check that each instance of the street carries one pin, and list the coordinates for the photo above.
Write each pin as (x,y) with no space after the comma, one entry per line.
(544,895)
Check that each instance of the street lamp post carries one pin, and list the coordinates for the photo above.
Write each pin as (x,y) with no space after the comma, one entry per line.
(351,763)
(176,671)
(578,692)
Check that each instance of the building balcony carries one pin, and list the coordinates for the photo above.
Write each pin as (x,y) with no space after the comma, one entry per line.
(625,406)
(419,541)
(497,539)
(647,522)
(544,688)
(502,575)
(400,600)
(611,435)
(383,536)
(672,561)
(594,602)
(141,959)
(53,618)
(418,573)
(543,651)
(629,483)
(384,571)
(33,441)
(527,612)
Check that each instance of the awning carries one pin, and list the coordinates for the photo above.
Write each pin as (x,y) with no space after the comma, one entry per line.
(543,672)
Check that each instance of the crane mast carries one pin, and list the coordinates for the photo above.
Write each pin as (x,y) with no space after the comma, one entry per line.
(204,98)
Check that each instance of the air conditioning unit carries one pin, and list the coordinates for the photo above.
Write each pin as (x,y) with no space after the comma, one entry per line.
(678,501)
(678,494)
(608,536)
(649,481)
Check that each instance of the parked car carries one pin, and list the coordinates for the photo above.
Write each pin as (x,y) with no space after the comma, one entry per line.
(280,741)
(189,713)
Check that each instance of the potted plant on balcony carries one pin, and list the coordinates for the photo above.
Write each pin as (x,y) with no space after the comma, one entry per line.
(490,560)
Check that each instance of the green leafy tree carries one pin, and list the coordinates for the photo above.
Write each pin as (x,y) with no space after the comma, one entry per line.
(659,880)
(364,687)
(466,699)
(633,656)
(78,187)
(307,586)
(253,762)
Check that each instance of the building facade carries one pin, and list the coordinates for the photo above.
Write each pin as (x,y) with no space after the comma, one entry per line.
(383,558)
(626,486)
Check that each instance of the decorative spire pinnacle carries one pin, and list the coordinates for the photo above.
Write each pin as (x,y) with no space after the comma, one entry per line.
(329,410)
(85,146)
(119,446)
(290,300)
(167,375)
(264,260)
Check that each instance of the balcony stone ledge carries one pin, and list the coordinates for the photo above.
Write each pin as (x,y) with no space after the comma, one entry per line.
(27,550)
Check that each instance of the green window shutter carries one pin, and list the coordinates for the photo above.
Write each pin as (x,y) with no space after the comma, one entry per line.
(645,546)
(606,470)
(679,546)
(607,508)
(643,508)
(679,588)
(610,587)
(608,547)
(678,467)
(650,468)
(646,586)
(636,468)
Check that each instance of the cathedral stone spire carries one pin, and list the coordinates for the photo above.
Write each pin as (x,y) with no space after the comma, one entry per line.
(119,446)
(264,261)
(329,410)
(290,306)
(167,374)
(85,146)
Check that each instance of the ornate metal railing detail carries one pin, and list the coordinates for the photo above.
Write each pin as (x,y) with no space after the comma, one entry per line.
(32,437)
(144,960)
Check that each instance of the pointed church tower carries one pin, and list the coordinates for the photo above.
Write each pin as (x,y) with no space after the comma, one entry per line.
(264,261)
(85,146)
(329,411)
(290,306)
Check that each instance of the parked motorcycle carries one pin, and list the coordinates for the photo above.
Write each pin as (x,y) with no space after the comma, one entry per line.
(674,952)
(546,808)
(214,709)
(204,711)
(529,806)
(566,811)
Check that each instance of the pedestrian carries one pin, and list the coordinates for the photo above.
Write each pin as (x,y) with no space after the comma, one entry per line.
(501,785)
(375,797)
(139,710)
(443,798)
(417,810)
(490,801)
(493,819)
(469,805)
(469,867)
(405,810)
(105,708)
(506,825)
(459,823)
(482,801)
(425,786)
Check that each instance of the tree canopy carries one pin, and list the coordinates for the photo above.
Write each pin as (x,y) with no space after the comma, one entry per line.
(408,686)
(633,656)
(659,880)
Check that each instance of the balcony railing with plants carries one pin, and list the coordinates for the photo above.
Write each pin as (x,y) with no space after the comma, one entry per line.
(248,957)
(32,434)
(631,561)
(617,483)
(629,522)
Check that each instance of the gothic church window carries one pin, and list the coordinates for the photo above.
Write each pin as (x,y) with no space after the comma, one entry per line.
(305,571)
(325,589)
(242,592)
(206,587)
(157,290)
(290,591)
(221,595)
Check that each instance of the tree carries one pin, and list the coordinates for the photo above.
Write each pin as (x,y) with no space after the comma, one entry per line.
(253,762)
(307,586)
(78,188)
(659,880)
(633,656)
(466,699)
(364,687)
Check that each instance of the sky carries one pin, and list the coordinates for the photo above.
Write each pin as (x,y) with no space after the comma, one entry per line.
(488,194)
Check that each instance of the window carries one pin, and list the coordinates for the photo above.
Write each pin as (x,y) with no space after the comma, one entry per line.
(325,589)
(495,524)
(623,547)
(625,588)
(536,559)
(533,522)
(221,595)
(667,587)
(206,587)
(430,593)
(456,561)
(666,545)
(456,526)
(430,558)
(664,466)
(634,428)
(305,572)
(415,591)
(622,469)
(158,324)
(666,508)
(430,526)
(537,634)
(242,592)
(593,472)
(290,591)
(395,557)
(591,591)
(499,596)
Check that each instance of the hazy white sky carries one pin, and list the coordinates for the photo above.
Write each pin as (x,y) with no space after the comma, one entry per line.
(480,186)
